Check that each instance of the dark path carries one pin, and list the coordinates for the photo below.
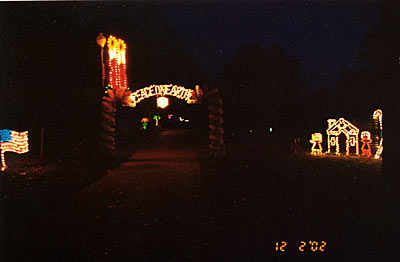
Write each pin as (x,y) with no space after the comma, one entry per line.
(160,205)
(141,209)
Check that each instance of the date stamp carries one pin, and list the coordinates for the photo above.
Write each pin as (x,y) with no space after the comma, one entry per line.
(302,246)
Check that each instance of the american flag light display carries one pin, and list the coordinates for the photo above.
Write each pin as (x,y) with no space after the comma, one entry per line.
(116,62)
(12,141)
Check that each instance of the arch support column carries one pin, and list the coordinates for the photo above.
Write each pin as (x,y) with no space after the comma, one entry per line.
(216,145)
(108,126)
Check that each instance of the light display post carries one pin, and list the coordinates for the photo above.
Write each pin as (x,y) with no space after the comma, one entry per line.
(101,41)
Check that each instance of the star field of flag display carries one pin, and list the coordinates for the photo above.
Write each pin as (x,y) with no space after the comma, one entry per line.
(12,141)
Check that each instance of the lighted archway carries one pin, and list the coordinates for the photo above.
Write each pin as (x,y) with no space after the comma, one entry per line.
(117,92)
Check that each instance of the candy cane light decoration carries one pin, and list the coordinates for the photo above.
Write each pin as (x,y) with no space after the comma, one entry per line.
(378,115)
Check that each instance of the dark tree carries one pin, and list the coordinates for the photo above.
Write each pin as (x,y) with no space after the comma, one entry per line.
(259,86)
(378,71)
(374,83)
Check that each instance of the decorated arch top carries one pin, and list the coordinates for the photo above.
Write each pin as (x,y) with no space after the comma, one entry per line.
(162,90)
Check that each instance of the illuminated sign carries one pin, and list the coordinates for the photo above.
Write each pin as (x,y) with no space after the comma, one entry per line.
(337,127)
(116,62)
(12,141)
(162,90)
(316,140)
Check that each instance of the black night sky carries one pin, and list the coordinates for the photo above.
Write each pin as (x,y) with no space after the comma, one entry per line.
(323,35)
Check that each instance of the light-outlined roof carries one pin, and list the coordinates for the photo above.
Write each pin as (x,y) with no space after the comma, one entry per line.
(341,126)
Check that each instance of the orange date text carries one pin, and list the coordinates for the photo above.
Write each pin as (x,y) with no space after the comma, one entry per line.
(303,246)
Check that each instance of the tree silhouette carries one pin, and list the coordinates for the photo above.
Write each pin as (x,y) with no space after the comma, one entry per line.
(374,82)
(259,86)
(378,71)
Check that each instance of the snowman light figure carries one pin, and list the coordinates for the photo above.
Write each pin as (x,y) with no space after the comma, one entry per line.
(366,141)
(316,140)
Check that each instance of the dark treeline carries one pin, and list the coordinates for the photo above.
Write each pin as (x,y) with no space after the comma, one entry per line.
(262,87)
(51,75)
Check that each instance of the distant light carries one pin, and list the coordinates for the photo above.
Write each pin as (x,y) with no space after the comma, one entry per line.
(186,120)
(181,119)
(251,131)
(170,116)
(270,129)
